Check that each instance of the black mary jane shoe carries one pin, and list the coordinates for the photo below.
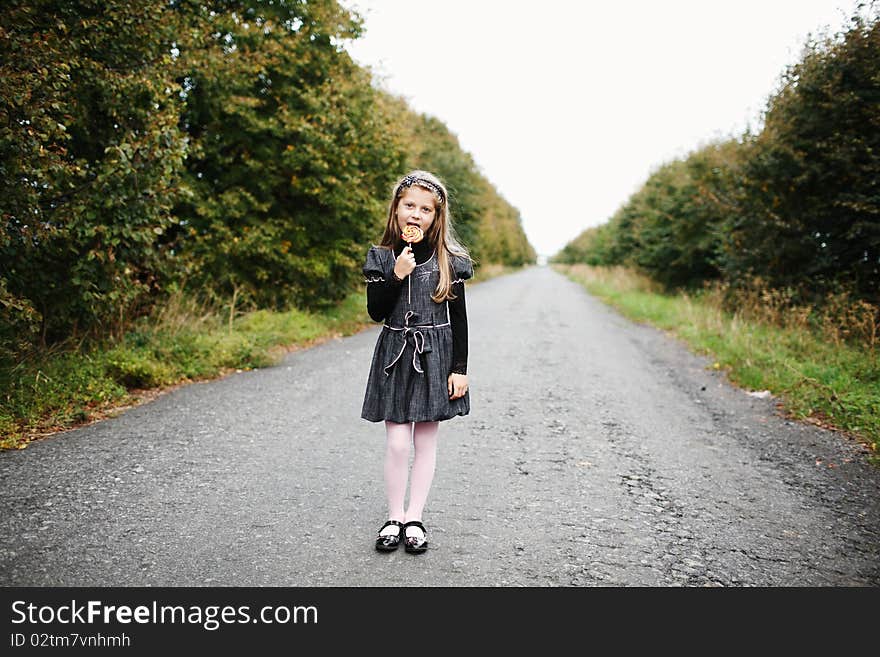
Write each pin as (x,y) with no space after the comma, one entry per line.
(415,544)
(389,542)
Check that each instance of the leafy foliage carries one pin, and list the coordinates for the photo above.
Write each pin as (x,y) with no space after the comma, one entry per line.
(796,205)
(288,162)
(809,188)
(89,149)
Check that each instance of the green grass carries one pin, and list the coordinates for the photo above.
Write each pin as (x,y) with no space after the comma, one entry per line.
(183,342)
(61,390)
(837,386)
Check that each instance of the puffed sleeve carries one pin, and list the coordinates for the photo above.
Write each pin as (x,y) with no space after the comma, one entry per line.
(374,267)
(383,289)
(463,268)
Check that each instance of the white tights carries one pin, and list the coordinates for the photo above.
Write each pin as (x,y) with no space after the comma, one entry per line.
(423,436)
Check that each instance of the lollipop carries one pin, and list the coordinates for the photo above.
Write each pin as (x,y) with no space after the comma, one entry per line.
(412,234)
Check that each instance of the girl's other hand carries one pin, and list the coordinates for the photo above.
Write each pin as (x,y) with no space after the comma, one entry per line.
(406,262)
(457,385)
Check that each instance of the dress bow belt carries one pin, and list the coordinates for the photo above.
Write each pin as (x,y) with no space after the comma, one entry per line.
(411,335)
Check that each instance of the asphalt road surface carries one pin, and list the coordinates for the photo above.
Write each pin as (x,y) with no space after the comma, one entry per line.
(597,452)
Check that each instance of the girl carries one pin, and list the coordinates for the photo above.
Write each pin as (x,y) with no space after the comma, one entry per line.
(418,376)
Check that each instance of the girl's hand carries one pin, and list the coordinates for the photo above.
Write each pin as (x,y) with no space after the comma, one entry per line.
(406,262)
(457,385)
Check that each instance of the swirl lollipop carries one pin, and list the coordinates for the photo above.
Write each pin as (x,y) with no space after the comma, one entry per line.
(412,234)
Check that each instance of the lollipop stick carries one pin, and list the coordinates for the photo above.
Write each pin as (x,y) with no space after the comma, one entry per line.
(410,234)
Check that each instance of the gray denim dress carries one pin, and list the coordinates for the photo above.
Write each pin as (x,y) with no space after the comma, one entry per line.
(412,359)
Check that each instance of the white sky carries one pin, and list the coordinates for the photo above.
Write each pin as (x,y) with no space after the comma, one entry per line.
(567,106)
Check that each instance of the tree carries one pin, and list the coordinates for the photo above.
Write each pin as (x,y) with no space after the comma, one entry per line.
(288,157)
(809,201)
(89,151)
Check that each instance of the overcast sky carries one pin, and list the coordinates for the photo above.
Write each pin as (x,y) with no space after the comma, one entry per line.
(567,106)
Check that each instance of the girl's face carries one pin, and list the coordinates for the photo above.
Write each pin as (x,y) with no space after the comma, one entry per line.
(416,206)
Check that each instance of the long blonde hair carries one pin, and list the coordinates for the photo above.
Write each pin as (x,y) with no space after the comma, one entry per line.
(441,233)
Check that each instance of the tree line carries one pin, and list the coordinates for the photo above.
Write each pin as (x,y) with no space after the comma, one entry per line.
(794,205)
(232,149)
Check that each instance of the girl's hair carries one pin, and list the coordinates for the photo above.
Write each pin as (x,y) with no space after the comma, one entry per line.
(441,233)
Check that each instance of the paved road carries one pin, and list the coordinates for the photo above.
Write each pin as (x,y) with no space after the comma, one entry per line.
(597,452)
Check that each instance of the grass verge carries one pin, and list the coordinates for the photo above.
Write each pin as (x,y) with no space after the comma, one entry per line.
(836,386)
(181,344)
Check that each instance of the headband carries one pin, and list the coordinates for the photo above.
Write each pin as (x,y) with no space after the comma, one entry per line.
(409,181)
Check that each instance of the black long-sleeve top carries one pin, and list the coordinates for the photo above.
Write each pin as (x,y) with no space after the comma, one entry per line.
(382,295)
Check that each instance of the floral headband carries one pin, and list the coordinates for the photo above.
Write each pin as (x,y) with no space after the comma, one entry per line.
(409,181)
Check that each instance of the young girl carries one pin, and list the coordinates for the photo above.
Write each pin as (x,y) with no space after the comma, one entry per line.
(418,376)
